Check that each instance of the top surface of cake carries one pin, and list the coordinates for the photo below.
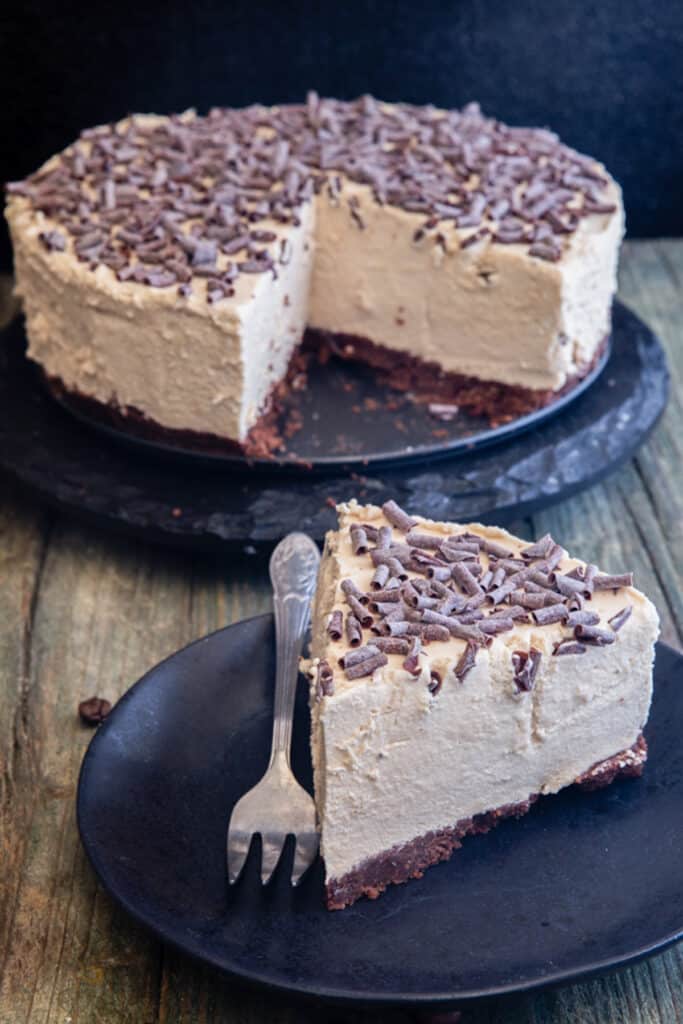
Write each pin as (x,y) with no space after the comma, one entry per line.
(163,200)
(416,595)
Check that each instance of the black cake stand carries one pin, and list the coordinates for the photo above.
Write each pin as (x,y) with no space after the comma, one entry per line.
(494,476)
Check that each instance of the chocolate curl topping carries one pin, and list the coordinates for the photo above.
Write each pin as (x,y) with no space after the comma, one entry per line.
(334,625)
(618,620)
(438,572)
(465,580)
(526,665)
(392,596)
(349,588)
(550,613)
(423,540)
(500,593)
(53,241)
(552,560)
(371,532)
(384,537)
(491,547)
(361,613)
(410,594)
(569,646)
(360,654)
(412,662)
(435,682)
(392,644)
(496,624)
(433,631)
(590,572)
(366,668)
(593,635)
(359,540)
(581,618)
(324,681)
(541,549)
(466,661)
(353,630)
(397,517)
(605,582)
(380,576)
(568,585)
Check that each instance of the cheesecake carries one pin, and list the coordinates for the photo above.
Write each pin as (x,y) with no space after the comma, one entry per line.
(457,673)
(172,267)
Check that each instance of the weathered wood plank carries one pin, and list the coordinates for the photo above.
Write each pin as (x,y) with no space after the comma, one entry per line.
(23,539)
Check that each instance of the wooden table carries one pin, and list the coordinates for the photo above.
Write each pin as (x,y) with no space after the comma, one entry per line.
(82,612)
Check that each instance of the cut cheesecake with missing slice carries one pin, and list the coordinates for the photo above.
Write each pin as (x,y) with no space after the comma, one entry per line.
(457,673)
(169,267)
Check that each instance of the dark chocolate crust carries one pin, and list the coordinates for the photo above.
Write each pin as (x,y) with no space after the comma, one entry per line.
(500,403)
(401,863)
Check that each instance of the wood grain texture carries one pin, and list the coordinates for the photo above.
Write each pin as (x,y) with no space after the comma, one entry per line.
(82,612)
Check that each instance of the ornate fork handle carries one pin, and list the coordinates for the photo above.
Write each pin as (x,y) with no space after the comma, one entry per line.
(293,574)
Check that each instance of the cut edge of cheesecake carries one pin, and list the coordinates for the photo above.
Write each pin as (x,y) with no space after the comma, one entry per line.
(410,760)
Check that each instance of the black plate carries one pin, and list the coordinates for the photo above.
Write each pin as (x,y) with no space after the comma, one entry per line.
(349,420)
(90,475)
(585,882)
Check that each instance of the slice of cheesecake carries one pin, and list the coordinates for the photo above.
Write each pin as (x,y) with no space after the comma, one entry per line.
(458,673)
(169,266)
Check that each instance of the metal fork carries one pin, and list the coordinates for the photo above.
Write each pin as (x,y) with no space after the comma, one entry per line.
(278,806)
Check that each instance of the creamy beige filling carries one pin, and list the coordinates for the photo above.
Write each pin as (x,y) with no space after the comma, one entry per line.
(488,310)
(393,762)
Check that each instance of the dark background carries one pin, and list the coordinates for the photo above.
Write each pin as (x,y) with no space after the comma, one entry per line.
(607,76)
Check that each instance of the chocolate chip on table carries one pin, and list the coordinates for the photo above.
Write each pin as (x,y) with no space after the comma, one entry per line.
(94,710)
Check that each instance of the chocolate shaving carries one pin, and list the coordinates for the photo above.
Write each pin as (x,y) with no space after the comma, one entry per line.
(465,580)
(568,646)
(361,613)
(550,613)
(435,682)
(349,588)
(496,624)
(358,655)
(525,665)
(94,710)
(605,582)
(53,241)
(412,663)
(397,517)
(380,576)
(366,668)
(334,625)
(541,549)
(618,620)
(466,661)
(324,681)
(593,635)
(392,644)
(392,596)
(581,618)
(359,540)
(354,633)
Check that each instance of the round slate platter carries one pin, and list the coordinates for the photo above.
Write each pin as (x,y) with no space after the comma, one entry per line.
(583,883)
(347,420)
(79,469)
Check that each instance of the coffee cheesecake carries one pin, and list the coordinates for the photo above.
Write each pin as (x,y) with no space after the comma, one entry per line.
(458,673)
(171,267)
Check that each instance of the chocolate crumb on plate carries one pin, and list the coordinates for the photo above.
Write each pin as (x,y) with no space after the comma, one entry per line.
(94,710)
